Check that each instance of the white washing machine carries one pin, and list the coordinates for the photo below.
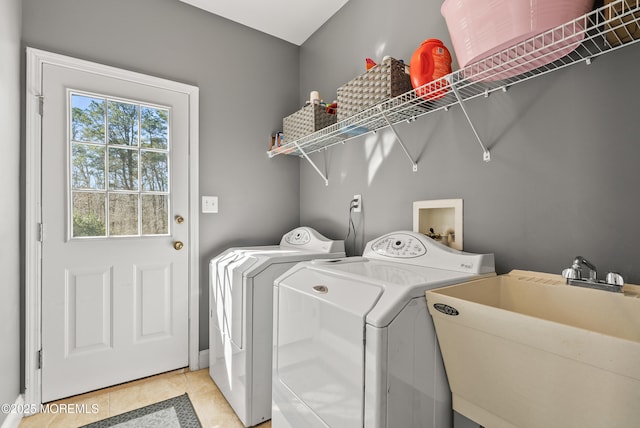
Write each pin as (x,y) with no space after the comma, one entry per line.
(240,315)
(354,345)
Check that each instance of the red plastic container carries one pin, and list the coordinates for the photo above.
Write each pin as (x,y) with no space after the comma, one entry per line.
(430,62)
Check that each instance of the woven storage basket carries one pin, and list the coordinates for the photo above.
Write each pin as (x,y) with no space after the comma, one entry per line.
(386,80)
(626,33)
(306,121)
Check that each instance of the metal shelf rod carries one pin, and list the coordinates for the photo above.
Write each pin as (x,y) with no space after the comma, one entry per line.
(486,155)
(304,154)
(406,152)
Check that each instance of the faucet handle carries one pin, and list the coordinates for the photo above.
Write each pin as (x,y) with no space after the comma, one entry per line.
(614,278)
(571,273)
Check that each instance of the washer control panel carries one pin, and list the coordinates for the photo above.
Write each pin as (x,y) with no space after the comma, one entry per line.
(399,245)
(298,237)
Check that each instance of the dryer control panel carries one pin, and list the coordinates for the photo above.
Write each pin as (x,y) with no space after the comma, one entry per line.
(298,236)
(399,245)
(417,249)
(307,238)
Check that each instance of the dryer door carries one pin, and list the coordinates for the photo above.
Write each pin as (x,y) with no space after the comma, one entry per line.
(320,344)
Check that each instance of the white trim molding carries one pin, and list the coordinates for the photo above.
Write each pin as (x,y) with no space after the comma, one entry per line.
(36,59)
(14,416)
(204,359)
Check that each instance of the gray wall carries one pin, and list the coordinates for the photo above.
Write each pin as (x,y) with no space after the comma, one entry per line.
(565,151)
(248,81)
(10,251)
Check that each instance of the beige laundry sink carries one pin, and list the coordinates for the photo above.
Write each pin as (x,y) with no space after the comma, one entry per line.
(527,350)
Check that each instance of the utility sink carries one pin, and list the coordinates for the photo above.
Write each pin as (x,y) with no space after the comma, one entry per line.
(527,350)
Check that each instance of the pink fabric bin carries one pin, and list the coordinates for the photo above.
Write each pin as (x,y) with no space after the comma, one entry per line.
(479,29)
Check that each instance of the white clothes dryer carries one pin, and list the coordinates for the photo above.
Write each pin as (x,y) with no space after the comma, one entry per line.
(241,317)
(354,345)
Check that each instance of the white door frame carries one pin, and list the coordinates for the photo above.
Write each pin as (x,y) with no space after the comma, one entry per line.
(33,208)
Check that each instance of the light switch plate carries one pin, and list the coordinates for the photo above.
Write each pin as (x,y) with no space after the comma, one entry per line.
(209,204)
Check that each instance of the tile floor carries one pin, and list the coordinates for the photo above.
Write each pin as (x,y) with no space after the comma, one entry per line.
(210,405)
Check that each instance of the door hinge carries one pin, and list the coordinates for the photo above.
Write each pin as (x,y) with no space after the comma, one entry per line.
(40,232)
(40,104)
(40,359)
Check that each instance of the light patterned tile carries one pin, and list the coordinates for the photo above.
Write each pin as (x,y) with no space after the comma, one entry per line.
(82,411)
(199,382)
(142,394)
(214,412)
(210,405)
(39,420)
(212,408)
(71,412)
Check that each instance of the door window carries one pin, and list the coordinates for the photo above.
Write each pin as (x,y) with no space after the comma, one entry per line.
(119,178)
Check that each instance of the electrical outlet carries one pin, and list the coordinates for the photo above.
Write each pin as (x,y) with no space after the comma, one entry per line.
(210,204)
(357,206)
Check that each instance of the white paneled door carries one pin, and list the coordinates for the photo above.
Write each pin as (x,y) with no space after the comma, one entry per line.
(115,239)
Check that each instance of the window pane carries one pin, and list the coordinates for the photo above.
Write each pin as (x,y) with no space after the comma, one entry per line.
(155,214)
(123,169)
(88,166)
(123,124)
(154,171)
(119,167)
(88,214)
(154,127)
(87,119)
(123,214)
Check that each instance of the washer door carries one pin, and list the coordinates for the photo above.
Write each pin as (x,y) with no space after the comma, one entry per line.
(320,344)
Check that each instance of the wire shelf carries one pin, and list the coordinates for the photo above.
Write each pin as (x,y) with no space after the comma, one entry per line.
(603,30)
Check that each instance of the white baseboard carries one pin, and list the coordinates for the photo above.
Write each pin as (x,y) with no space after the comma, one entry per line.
(203,359)
(13,419)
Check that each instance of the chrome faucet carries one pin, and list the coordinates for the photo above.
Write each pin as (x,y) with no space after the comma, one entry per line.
(613,281)
(575,271)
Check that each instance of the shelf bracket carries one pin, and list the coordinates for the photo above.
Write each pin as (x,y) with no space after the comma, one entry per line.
(406,152)
(306,156)
(486,155)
